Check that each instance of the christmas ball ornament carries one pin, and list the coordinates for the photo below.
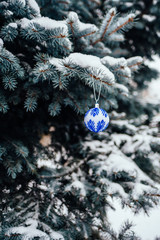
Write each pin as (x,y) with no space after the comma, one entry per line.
(96,119)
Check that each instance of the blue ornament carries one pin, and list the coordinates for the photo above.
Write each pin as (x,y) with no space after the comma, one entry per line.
(96,119)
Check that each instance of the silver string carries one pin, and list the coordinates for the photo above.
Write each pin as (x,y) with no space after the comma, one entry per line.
(94,91)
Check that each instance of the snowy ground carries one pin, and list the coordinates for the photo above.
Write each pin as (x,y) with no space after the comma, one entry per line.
(152,94)
(147,227)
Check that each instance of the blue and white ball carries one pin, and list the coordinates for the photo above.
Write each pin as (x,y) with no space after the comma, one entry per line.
(96,119)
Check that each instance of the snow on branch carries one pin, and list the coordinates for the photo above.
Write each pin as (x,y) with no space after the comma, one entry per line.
(134,62)
(19,7)
(67,171)
(44,29)
(121,89)
(79,29)
(9,32)
(105,25)
(123,23)
(28,232)
(1,43)
(3,103)
(92,65)
(55,107)
(118,66)
(117,171)
(112,27)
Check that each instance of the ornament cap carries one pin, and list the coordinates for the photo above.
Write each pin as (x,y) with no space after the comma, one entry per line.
(97,105)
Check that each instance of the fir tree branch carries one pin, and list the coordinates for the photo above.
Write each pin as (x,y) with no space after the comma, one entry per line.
(59,36)
(71,25)
(67,66)
(66,172)
(106,28)
(34,30)
(125,76)
(121,26)
(44,70)
(87,34)
(153,194)
(136,64)
(12,235)
(63,2)
(72,98)
(6,59)
(91,75)
(17,147)
(65,47)
(98,79)
(43,59)
(94,1)
(60,82)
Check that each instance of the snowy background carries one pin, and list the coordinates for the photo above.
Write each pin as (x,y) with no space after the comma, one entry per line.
(147,227)
(152,94)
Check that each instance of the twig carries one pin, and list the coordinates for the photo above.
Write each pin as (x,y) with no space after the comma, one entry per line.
(66,172)
(105,30)
(122,25)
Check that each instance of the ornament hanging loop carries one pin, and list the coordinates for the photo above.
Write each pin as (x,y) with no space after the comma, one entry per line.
(94,92)
(96,105)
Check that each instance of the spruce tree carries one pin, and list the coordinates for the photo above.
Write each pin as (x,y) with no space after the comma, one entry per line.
(57,179)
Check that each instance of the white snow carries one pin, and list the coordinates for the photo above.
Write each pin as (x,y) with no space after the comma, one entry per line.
(138,142)
(31,232)
(78,186)
(98,146)
(119,138)
(123,89)
(1,43)
(84,26)
(158,33)
(139,189)
(48,163)
(89,61)
(124,19)
(156,119)
(118,162)
(129,4)
(124,123)
(56,236)
(33,4)
(117,37)
(57,62)
(13,25)
(45,22)
(151,95)
(114,188)
(8,13)
(114,61)
(4,3)
(22,1)
(73,17)
(134,60)
(147,227)
(149,18)
(28,232)
(84,60)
